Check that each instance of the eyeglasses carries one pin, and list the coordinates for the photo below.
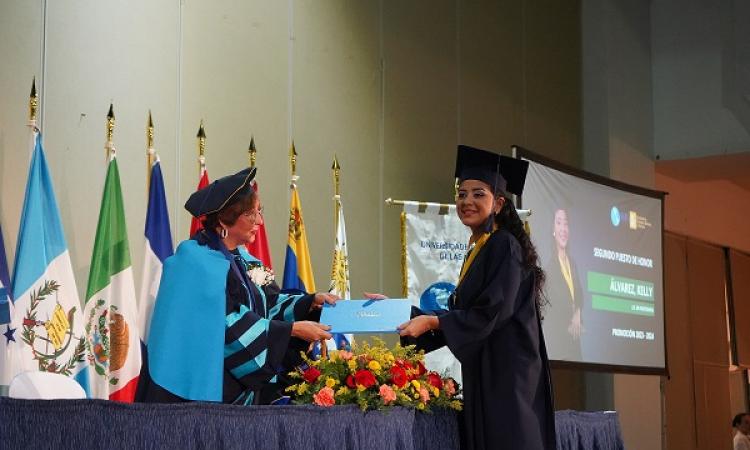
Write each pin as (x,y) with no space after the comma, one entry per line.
(255,215)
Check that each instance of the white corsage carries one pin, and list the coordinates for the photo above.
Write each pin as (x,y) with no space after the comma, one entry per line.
(260,275)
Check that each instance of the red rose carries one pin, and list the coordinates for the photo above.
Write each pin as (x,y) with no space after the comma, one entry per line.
(350,382)
(311,375)
(365,378)
(435,380)
(398,376)
(421,370)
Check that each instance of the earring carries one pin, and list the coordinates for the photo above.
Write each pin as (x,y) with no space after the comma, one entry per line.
(224,233)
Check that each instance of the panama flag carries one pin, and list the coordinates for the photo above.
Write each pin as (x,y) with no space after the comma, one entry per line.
(47,329)
(195,224)
(298,272)
(340,272)
(259,247)
(158,248)
(110,313)
(4,283)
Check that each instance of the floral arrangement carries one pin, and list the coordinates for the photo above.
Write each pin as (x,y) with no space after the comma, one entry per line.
(260,274)
(373,377)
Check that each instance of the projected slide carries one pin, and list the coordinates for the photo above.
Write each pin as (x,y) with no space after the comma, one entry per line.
(601,249)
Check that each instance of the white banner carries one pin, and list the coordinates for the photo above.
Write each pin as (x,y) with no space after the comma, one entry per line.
(436,242)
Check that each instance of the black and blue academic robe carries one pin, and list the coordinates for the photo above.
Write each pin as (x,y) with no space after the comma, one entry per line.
(215,335)
(493,328)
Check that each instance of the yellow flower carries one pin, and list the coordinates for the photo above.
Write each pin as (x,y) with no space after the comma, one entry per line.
(415,383)
(332,355)
(435,391)
(389,357)
(374,366)
(343,390)
(302,388)
(352,364)
(420,405)
(330,382)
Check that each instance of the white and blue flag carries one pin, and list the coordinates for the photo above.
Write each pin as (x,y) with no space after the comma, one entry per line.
(48,326)
(4,283)
(158,248)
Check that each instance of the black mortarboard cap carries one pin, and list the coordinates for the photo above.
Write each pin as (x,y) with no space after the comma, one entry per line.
(502,173)
(218,194)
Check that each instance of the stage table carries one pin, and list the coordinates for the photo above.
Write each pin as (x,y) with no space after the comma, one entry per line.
(93,424)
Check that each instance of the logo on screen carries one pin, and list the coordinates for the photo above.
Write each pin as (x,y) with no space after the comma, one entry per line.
(614,216)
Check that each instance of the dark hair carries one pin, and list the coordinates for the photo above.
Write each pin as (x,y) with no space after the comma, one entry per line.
(508,220)
(738,419)
(231,211)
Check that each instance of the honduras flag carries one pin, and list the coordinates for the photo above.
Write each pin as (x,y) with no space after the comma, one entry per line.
(158,248)
(298,274)
(4,283)
(49,329)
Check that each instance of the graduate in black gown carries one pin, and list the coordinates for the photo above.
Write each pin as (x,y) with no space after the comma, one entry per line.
(565,293)
(221,330)
(493,322)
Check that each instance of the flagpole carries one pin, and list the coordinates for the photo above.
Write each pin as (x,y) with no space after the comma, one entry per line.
(150,152)
(252,152)
(336,168)
(201,149)
(109,147)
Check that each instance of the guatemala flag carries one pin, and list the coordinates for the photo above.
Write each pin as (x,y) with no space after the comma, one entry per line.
(298,274)
(47,319)
(4,283)
(158,248)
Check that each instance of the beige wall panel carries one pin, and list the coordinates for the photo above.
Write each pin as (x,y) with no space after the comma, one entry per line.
(99,52)
(420,97)
(20,47)
(491,72)
(336,110)
(235,77)
(708,313)
(679,399)
(552,123)
(740,270)
(713,417)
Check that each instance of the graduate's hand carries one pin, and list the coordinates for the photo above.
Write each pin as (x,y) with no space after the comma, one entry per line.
(324,297)
(310,331)
(418,326)
(372,296)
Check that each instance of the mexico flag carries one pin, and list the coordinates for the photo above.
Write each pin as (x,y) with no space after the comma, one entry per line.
(110,313)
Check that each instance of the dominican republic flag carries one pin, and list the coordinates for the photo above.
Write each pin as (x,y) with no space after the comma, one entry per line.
(259,247)
(195,224)
(158,248)
(47,331)
(111,313)
(4,283)
(298,274)
(340,284)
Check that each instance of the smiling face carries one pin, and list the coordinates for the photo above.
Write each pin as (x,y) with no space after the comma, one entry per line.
(561,231)
(474,203)
(245,228)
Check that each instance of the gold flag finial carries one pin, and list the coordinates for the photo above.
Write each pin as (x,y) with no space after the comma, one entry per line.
(336,175)
(110,122)
(293,158)
(201,148)
(150,153)
(109,146)
(252,151)
(33,102)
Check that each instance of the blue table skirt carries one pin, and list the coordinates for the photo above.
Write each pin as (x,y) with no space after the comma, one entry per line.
(91,424)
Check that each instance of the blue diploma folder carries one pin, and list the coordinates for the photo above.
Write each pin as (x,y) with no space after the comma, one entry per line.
(366,316)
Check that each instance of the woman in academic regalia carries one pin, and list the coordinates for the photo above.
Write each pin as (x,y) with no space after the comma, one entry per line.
(221,329)
(564,291)
(493,322)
